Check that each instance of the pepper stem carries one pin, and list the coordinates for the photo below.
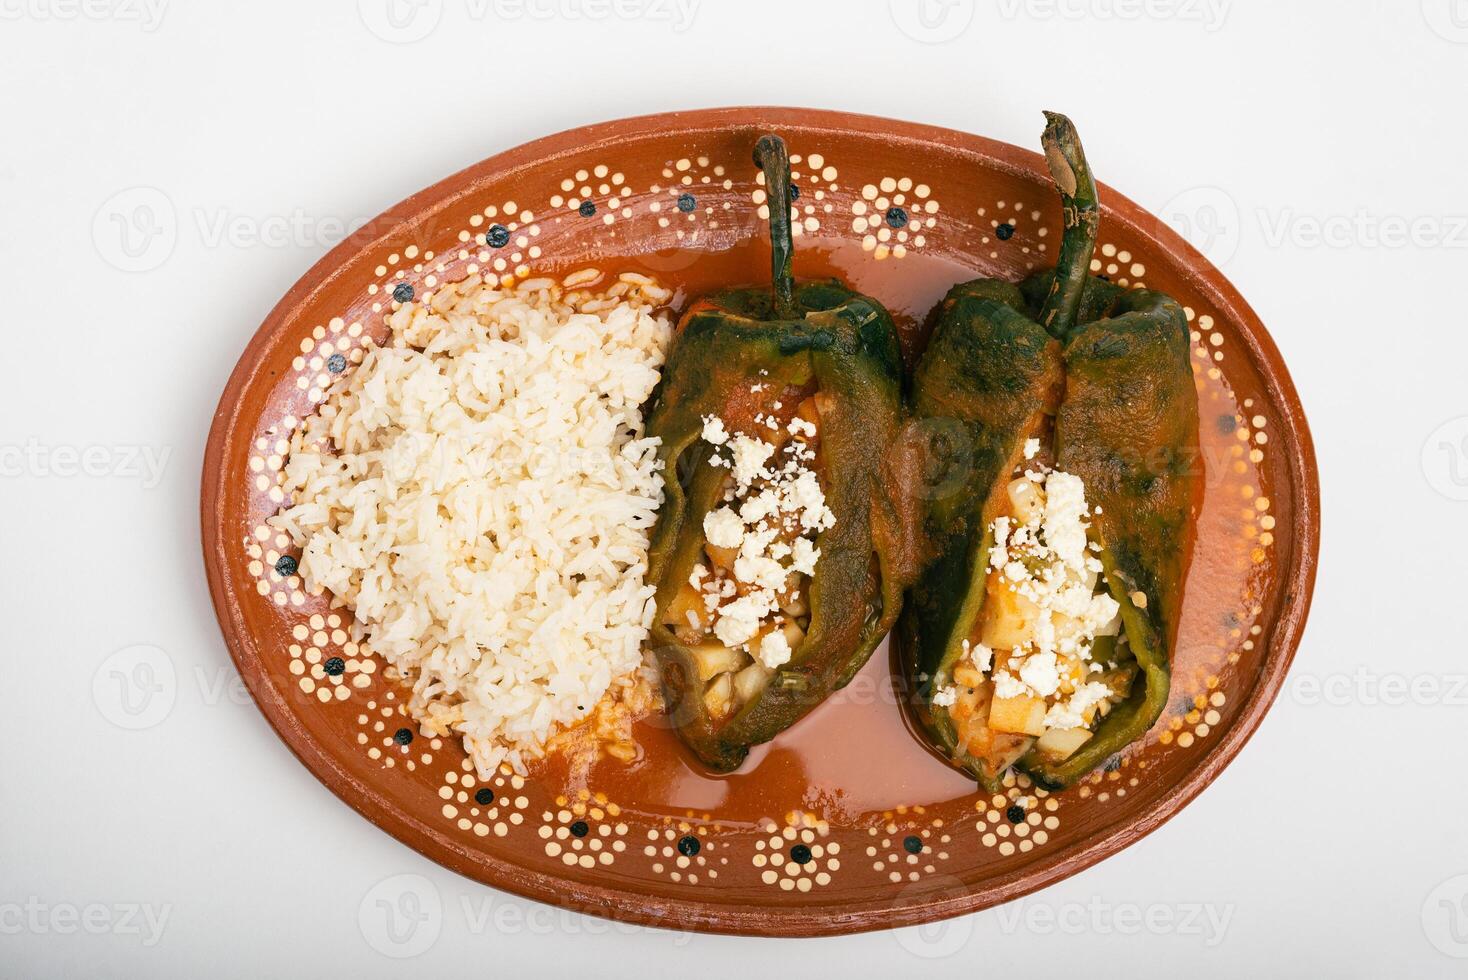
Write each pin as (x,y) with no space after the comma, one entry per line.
(771,156)
(1082,211)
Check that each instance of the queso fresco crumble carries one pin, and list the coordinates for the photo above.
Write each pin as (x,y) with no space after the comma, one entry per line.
(1049,637)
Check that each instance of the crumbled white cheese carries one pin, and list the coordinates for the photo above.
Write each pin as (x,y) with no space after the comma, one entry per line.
(1006,685)
(945,697)
(1032,447)
(1040,674)
(750,456)
(739,620)
(773,512)
(774,650)
(723,528)
(714,432)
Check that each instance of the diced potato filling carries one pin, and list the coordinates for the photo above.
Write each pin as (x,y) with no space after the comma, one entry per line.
(744,610)
(1048,658)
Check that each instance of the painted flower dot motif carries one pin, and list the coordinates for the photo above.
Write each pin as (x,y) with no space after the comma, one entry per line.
(585,830)
(403,292)
(497,243)
(595,192)
(893,215)
(907,853)
(798,856)
(1009,221)
(685,196)
(811,204)
(1018,820)
(683,852)
(482,807)
(336,363)
(326,662)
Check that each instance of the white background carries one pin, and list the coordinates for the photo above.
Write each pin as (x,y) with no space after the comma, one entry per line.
(1296,143)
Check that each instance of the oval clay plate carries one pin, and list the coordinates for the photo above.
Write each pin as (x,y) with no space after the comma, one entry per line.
(846,822)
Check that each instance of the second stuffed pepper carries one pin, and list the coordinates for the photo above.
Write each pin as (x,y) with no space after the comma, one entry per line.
(1039,635)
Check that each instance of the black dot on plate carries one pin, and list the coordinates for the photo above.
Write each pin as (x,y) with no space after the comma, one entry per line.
(688,846)
(403,736)
(686,203)
(334,666)
(912,844)
(1005,231)
(579,829)
(897,218)
(1113,763)
(1227,424)
(794,192)
(336,363)
(498,236)
(403,292)
(484,797)
(286,565)
(587,209)
(1016,813)
(800,854)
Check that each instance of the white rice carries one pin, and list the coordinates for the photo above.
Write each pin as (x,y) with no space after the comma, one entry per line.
(480,492)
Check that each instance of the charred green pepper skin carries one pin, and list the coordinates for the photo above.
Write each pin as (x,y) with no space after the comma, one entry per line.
(1107,370)
(816,336)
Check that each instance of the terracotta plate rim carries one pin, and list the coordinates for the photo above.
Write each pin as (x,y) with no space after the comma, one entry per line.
(925,903)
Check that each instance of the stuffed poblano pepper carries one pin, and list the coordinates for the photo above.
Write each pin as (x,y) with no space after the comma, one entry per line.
(781,551)
(1039,634)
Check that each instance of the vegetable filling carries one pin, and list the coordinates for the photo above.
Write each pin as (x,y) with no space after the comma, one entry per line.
(1048,657)
(745,608)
